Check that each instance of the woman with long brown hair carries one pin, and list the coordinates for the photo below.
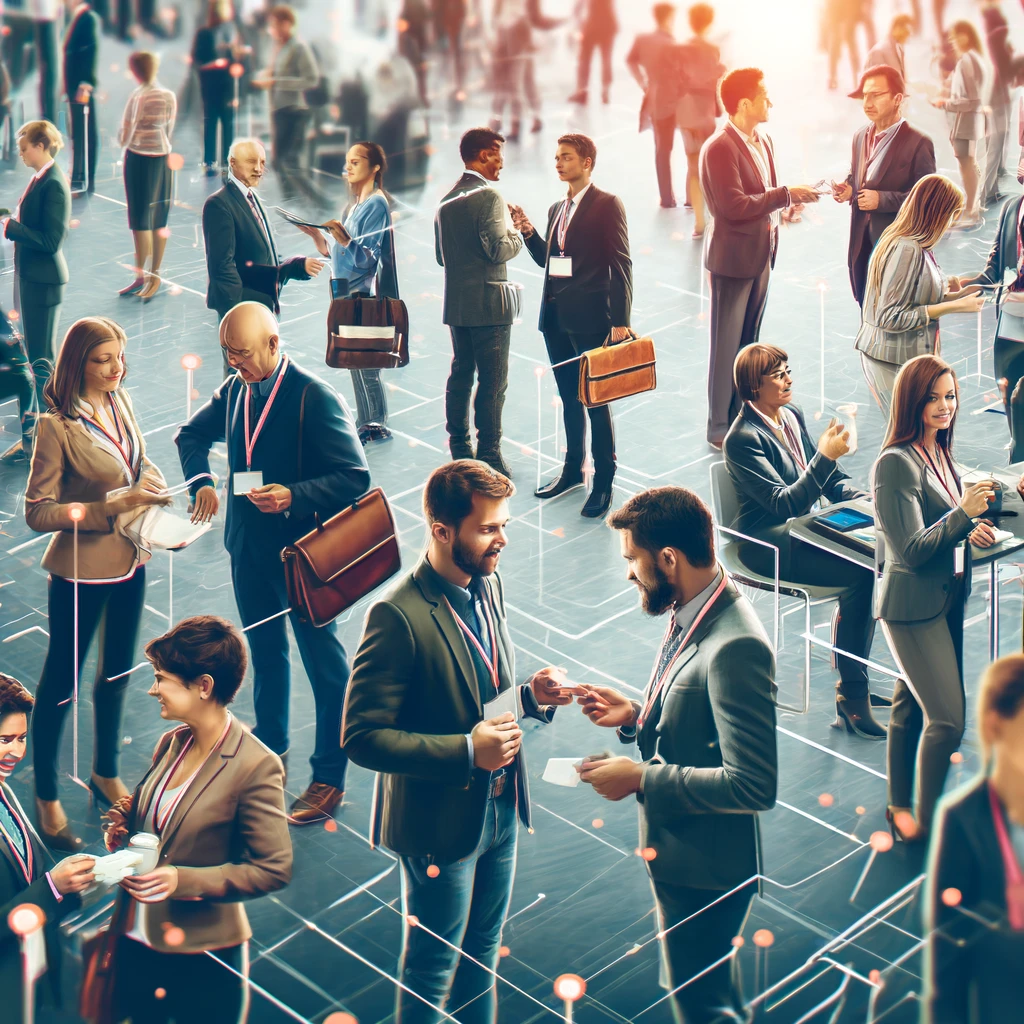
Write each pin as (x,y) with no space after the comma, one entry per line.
(906,292)
(925,520)
(90,460)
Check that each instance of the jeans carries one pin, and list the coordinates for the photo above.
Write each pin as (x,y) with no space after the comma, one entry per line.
(371,398)
(466,906)
(482,351)
(224,115)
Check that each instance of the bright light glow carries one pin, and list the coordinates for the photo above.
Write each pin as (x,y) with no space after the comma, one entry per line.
(190,361)
(569,987)
(25,919)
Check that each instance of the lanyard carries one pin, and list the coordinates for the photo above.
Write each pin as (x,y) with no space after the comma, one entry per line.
(654,688)
(123,442)
(938,476)
(27,863)
(563,225)
(159,821)
(250,442)
(492,661)
(795,448)
(1014,877)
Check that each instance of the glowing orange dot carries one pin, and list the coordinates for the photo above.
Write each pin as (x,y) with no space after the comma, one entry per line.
(236,70)
(13,314)
(649,853)
(76,511)
(570,987)
(191,362)
(433,871)
(164,232)
(160,993)
(763,938)
(956,757)
(538,371)
(952,897)
(330,825)
(503,951)
(174,936)
(175,161)
(598,823)
(875,976)
(826,799)
(74,222)
(737,941)
(881,842)
(402,25)
(25,919)
(861,810)
(340,1018)
(413,920)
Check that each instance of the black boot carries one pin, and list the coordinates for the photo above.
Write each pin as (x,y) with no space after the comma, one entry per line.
(854,714)
(492,456)
(599,500)
(569,477)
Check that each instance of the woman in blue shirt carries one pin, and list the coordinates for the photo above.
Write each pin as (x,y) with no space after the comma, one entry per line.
(362,253)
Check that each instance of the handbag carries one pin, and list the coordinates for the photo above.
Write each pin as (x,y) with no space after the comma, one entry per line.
(617,370)
(96,996)
(365,333)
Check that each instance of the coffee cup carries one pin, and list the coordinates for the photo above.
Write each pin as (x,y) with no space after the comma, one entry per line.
(148,845)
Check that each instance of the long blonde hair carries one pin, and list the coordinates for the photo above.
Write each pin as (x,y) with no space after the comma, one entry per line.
(926,215)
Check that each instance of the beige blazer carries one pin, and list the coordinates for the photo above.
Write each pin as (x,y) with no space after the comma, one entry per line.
(228,838)
(69,464)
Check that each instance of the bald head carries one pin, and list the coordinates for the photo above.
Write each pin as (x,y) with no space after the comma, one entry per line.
(248,160)
(250,339)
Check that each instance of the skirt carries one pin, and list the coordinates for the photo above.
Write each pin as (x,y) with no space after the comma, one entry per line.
(147,186)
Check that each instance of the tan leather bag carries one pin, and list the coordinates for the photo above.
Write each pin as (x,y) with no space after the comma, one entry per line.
(364,333)
(617,370)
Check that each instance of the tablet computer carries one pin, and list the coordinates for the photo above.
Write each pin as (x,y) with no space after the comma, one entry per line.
(844,520)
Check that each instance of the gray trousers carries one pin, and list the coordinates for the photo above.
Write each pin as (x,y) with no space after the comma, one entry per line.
(995,144)
(39,307)
(737,307)
(371,398)
(479,353)
(881,378)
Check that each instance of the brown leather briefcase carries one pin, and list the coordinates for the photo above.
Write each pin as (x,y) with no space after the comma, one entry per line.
(617,370)
(364,333)
(342,560)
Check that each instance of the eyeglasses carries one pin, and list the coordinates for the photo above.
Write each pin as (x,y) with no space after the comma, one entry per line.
(876,95)
(780,375)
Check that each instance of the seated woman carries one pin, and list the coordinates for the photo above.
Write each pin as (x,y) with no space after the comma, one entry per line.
(214,798)
(974,901)
(24,877)
(779,473)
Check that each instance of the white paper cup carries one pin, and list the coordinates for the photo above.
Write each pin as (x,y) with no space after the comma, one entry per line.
(148,845)
(848,415)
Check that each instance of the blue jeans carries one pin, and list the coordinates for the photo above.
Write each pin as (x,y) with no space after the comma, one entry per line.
(371,398)
(466,905)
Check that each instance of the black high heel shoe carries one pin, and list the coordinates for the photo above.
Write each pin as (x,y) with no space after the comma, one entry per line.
(97,798)
(855,716)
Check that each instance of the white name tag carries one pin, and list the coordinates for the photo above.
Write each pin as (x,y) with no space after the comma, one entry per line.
(243,483)
(958,560)
(560,266)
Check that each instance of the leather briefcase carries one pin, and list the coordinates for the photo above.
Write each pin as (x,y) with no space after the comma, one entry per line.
(617,370)
(365,333)
(342,560)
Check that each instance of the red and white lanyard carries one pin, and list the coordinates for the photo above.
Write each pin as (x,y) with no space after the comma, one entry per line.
(160,819)
(123,442)
(1011,866)
(563,224)
(250,440)
(25,864)
(654,687)
(492,633)
(955,498)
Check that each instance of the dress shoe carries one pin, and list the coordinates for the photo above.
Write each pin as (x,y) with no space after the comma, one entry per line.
(494,459)
(378,432)
(537,125)
(854,714)
(63,839)
(579,97)
(565,481)
(461,450)
(876,700)
(598,501)
(318,803)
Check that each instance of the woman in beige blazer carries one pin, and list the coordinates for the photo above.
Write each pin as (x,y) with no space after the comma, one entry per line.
(214,797)
(90,461)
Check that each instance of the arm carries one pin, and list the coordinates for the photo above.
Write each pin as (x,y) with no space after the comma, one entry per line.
(91,22)
(438,253)
(964,95)
(56,219)
(897,308)
(127,129)
(195,438)
(636,68)
(40,893)
(172,115)
(995,266)
(219,238)
(384,667)
(724,182)
(537,246)
(363,253)
(741,690)
(620,266)
(292,269)
(500,244)
(307,74)
(922,164)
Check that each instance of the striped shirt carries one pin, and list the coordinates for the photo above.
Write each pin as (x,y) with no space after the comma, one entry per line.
(148,122)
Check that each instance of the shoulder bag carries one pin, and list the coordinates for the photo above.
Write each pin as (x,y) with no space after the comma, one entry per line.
(617,370)
(367,333)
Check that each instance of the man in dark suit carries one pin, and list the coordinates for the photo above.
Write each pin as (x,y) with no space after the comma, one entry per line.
(293,455)
(425,709)
(473,240)
(740,186)
(706,733)
(38,229)
(889,158)
(81,52)
(587,295)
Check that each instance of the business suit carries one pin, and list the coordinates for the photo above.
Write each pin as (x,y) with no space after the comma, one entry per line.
(739,252)
(81,53)
(773,488)
(920,600)
(907,158)
(308,444)
(417,690)
(473,240)
(972,957)
(710,764)
(578,312)
(41,272)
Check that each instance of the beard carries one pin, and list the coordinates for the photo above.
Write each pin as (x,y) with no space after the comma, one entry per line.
(658,598)
(470,564)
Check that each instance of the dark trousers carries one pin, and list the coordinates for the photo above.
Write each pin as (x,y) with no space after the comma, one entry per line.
(223,114)
(17,381)
(288,137)
(664,138)
(480,352)
(46,52)
(196,986)
(79,137)
(858,265)
(114,610)
(690,948)
(466,905)
(39,308)
(588,43)
(737,307)
(563,348)
(1008,357)
(260,592)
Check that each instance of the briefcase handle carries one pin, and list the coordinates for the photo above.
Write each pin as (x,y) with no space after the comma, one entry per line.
(608,341)
(354,504)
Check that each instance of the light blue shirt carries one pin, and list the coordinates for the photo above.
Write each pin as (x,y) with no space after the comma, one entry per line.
(368,223)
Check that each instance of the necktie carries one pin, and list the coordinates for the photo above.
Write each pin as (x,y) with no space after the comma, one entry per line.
(669,647)
(256,213)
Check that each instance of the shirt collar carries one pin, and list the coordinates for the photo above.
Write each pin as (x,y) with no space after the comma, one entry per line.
(771,423)
(264,387)
(460,597)
(891,130)
(486,181)
(42,170)
(687,613)
(244,189)
(575,200)
(753,139)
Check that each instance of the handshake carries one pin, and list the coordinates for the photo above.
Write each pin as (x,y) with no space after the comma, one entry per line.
(520,221)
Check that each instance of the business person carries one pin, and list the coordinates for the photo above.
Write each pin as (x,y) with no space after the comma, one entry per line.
(598,27)
(924,516)
(906,293)
(705,730)
(473,240)
(452,783)
(45,14)
(586,298)
(740,187)
(25,872)
(889,157)
(90,452)
(293,437)
(780,473)
(39,227)
(214,797)
(890,49)
(81,54)
(973,909)
(999,100)
(217,45)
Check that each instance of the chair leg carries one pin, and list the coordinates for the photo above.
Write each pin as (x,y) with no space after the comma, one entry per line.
(805,706)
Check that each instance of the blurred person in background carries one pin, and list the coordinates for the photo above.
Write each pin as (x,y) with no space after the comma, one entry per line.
(449,22)
(999,115)
(841,18)
(216,47)
(890,50)
(598,28)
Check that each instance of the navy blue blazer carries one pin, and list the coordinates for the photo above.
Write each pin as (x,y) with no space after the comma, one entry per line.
(325,468)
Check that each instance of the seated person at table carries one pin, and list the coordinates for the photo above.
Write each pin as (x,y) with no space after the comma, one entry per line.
(779,473)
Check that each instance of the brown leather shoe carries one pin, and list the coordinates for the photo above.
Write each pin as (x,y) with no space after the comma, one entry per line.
(316,804)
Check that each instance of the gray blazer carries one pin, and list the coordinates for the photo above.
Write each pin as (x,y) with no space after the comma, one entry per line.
(965,104)
(895,325)
(918,527)
(473,242)
(295,71)
(1001,258)
(710,755)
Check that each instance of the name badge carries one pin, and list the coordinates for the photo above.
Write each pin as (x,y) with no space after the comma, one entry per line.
(958,560)
(243,483)
(560,266)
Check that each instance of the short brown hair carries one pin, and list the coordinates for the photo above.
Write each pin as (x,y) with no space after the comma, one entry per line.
(753,364)
(741,84)
(143,65)
(965,28)
(14,698)
(282,12)
(662,11)
(41,133)
(701,16)
(910,393)
(669,517)
(448,494)
(63,388)
(203,645)
(1001,691)
(583,144)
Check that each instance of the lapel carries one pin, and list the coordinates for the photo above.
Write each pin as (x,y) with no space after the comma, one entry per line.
(268,234)
(777,446)
(860,152)
(733,133)
(769,153)
(145,791)
(934,490)
(234,194)
(506,656)
(887,157)
(575,225)
(1009,237)
(39,855)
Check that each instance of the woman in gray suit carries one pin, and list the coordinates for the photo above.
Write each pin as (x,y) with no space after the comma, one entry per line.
(924,517)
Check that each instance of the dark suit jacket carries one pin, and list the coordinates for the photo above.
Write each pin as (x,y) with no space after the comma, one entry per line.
(1001,258)
(909,157)
(740,239)
(709,752)
(599,295)
(40,230)
(971,967)
(412,698)
(655,52)
(325,473)
(241,263)
(81,51)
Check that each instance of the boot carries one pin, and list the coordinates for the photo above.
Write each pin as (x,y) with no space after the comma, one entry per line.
(854,714)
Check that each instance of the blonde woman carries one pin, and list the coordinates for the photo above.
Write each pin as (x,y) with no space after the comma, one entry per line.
(906,292)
